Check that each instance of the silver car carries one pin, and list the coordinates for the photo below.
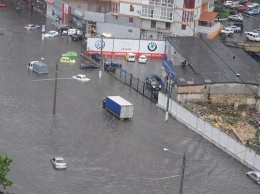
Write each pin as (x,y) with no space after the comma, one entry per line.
(58,163)
(31,27)
(254,175)
(236,17)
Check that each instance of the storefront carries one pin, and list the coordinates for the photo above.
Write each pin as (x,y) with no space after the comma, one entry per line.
(53,13)
(77,21)
(66,13)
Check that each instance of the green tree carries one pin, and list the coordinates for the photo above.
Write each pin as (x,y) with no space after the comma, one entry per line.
(5,162)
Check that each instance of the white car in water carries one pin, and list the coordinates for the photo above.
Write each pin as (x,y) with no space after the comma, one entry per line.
(142,59)
(31,27)
(58,163)
(70,32)
(51,34)
(81,77)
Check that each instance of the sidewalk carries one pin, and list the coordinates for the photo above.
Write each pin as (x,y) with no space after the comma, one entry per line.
(58,25)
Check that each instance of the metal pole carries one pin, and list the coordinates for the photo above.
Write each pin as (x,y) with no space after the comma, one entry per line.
(182,174)
(55,90)
(168,98)
(101,57)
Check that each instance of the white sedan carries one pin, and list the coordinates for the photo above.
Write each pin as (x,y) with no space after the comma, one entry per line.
(58,163)
(81,77)
(32,27)
(51,34)
(142,59)
(70,32)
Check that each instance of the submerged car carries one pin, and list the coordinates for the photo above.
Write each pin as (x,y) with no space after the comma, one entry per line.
(70,54)
(3,5)
(64,28)
(153,83)
(153,76)
(142,59)
(113,63)
(51,34)
(31,27)
(77,37)
(88,65)
(96,56)
(254,175)
(67,60)
(81,77)
(58,163)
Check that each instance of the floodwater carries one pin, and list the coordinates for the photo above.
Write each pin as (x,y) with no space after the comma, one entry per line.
(103,154)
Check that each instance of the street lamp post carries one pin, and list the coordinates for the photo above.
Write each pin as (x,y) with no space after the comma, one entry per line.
(55,91)
(101,57)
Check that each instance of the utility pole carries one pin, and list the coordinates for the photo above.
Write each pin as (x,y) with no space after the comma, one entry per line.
(182,174)
(55,91)
(168,97)
(101,57)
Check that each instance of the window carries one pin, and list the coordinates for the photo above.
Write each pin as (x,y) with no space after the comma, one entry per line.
(153,24)
(131,20)
(130,31)
(168,25)
(132,8)
(183,27)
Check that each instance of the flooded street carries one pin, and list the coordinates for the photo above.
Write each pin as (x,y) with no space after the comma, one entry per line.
(103,153)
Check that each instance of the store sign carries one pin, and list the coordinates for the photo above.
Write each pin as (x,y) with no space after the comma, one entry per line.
(66,9)
(51,1)
(78,13)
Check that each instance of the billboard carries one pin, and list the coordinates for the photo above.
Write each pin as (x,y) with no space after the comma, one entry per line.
(119,47)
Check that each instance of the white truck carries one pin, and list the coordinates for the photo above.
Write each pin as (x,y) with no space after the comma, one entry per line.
(227,31)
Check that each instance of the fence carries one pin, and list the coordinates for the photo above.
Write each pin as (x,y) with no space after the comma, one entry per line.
(135,83)
(237,150)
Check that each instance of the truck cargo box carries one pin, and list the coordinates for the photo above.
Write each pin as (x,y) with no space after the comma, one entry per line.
(119,107)
(38,67)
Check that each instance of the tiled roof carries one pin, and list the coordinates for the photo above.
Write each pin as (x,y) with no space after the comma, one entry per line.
(208,16)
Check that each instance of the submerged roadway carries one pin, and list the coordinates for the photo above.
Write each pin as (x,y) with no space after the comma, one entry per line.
(104,155)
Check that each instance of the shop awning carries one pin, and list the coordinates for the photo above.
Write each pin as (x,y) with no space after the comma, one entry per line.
(208,16)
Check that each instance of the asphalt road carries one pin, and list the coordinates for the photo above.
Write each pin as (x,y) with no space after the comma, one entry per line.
(103,154)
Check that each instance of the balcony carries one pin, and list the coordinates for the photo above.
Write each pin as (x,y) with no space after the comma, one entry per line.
(158,29)
(208,27)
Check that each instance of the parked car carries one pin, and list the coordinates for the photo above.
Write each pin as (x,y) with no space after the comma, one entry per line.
(67,60)
(153,76)
(58,163)
(252,36)
(234,28)
(113,63)
(87,65)
(237,17)
(253,12)
(77,37)
(96,56)
(70,54)
(109,68)
(153,83)
(51,34)
(3,5)
(254,175)
(142,59)
(64,28)
(238,24)
(227,31)
(253,5)
(130,57)
(235,5)
(228,3)
(242,9)
(70,32)
(81,77)
(31,27)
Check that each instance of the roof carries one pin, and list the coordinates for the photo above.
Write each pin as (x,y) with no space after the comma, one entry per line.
(210,61)
(208,16)
(121,101)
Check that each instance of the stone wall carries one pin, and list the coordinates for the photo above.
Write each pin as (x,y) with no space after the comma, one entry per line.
(231,99)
